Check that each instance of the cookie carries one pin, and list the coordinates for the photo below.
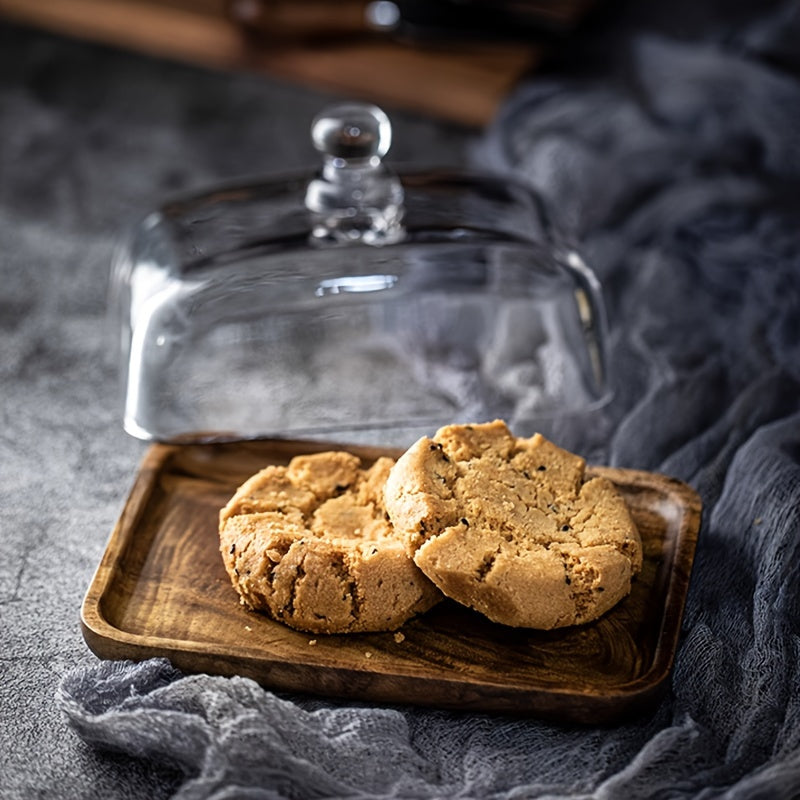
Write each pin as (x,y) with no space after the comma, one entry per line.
(310,544)
(512,527)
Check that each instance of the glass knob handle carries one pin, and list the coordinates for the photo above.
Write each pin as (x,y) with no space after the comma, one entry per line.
(355,196)
(352,132)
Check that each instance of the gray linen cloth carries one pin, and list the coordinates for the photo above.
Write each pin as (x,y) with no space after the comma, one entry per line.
(679,173)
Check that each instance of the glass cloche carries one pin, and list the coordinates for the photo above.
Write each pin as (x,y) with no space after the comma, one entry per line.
(353,303)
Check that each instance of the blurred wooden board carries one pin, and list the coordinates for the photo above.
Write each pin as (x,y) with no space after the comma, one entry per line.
(462,87)
(161,590)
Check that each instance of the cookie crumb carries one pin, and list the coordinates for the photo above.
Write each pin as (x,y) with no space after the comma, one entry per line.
(367,654)
(247,628)
(312,642)
(399,637)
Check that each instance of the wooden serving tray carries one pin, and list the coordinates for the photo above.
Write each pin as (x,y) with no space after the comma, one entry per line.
(161,590)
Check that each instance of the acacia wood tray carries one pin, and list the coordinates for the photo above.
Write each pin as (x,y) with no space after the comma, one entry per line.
(161,590)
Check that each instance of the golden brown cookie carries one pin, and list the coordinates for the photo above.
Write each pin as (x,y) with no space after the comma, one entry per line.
(511,527)
(310,544)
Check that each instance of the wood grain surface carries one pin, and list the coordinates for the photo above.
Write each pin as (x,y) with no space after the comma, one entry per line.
(459,85)
(161,590)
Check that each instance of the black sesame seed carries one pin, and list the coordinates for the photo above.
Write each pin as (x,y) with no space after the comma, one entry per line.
(233,548)
(565,527)
(567,580)
(465,521)
(541,468)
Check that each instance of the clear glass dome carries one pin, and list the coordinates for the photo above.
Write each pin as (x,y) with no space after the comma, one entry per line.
(353,303)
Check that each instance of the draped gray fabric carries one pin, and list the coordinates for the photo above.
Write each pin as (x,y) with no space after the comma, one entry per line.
(676,168)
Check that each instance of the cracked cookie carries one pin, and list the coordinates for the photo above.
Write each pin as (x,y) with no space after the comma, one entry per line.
(512,527)
(310,544)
